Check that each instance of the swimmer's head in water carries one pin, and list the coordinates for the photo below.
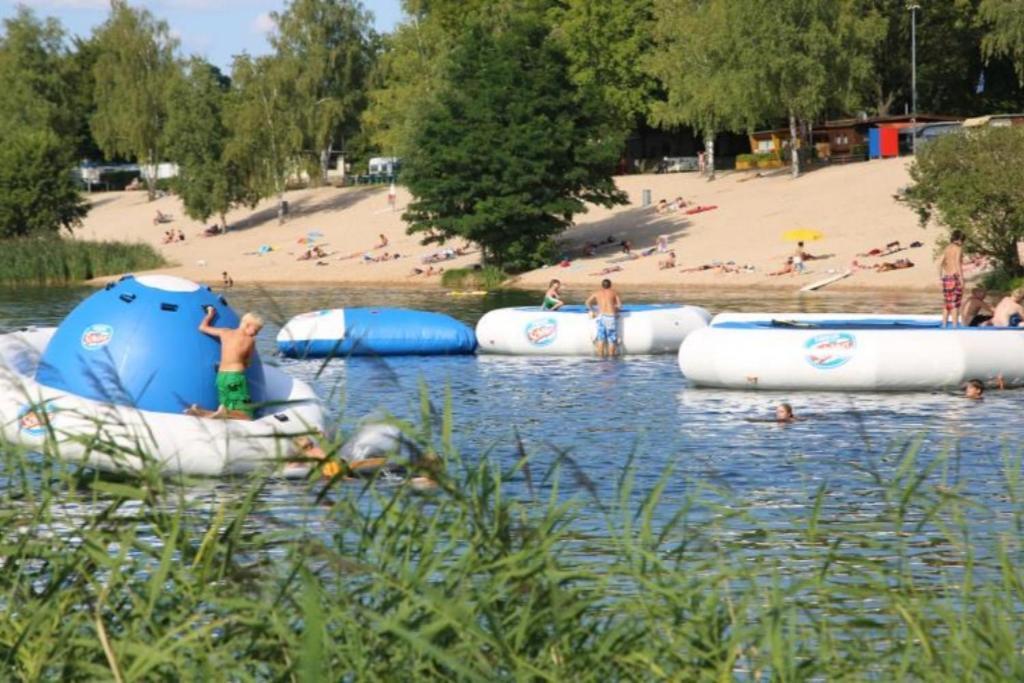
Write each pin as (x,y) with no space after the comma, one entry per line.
(974,389)
(784,412)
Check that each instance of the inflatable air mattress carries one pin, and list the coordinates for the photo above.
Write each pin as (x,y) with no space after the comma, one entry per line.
(570,331)
(847,352)
(374,332)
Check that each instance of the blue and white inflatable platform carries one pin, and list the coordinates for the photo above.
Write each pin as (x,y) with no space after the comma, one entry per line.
(848,352)
(108,387)
(341,332)
(570,331)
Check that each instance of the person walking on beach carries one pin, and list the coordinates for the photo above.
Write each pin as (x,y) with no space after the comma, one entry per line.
(236,349)
(607,314)
(952,272)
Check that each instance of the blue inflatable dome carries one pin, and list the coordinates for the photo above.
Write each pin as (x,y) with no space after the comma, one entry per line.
(136,343)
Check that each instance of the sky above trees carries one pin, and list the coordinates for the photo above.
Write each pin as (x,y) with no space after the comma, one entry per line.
(213,29)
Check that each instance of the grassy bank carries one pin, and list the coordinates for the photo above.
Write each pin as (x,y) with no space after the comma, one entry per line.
(486,278)
(62,261)
(150,580)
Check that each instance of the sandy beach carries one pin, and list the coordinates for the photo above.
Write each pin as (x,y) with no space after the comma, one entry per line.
(852,205)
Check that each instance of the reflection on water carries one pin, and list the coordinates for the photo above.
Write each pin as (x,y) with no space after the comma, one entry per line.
(601,412)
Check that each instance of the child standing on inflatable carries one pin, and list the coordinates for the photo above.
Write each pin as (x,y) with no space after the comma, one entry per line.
(952,272)
(607,314)
(236,348)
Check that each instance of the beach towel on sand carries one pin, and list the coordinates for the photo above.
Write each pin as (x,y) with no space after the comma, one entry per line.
(699,209)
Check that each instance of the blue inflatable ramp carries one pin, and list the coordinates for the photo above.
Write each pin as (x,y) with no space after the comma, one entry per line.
(374,332)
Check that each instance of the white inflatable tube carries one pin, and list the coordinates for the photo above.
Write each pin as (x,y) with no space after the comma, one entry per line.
(841,352)
(117,438)
(570,331)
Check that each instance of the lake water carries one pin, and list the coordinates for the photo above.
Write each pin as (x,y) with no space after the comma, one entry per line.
(602,412)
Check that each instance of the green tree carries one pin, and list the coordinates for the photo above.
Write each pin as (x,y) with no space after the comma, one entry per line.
(607,42)
(1006,35)
(805,55)
(196,139)
(974,182)
(508,153)
(31,55)
(265,142)
(135,64)
(326,47)
(705,87)
(39,194)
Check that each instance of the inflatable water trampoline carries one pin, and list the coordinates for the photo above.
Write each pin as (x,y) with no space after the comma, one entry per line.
(374,332)
(107,388)
(570,331)
(848,352)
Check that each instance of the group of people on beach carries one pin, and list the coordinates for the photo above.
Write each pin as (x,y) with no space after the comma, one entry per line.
(976,311)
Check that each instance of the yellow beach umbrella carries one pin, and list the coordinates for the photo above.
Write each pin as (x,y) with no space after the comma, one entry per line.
(802,235)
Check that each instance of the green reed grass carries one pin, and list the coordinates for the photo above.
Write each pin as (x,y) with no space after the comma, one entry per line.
(64,261)
(143,578)
(488,277)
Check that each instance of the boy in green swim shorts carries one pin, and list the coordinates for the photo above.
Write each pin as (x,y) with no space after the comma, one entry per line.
(236,348)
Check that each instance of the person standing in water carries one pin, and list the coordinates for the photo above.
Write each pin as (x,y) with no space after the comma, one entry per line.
(553,297)
(952,272)
(607,314)
(236,349)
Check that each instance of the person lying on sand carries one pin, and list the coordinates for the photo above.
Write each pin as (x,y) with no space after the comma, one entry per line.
(976,311)
(609,269)
(668,263)
(168,237)
(788,268)
(428,271)
(1008,312)
(211,231)
(383,242)
(162,218)
(314,252)
(898,264)
(891,248)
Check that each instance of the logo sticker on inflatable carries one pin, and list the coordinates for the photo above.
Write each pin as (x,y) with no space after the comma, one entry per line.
(33,420)
(830,351)
(541,332)
(97,336)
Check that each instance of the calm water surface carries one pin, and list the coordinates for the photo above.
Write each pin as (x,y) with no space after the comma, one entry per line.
(601,412)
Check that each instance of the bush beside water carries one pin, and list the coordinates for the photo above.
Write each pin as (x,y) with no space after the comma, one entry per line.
(487,277)
(62,261)
(145,579)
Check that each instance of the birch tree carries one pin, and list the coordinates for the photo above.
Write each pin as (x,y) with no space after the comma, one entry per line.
(325,46)
(134,66)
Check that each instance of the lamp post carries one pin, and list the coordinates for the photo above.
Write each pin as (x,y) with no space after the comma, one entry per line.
(913,6)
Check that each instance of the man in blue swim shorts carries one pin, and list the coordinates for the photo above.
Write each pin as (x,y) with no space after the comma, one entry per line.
(607,314)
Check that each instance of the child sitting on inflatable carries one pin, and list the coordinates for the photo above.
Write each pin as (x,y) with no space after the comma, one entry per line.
(1008,312)
(552,297)
(236,349)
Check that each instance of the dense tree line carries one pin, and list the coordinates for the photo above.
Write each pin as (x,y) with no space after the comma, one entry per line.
(509,114)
